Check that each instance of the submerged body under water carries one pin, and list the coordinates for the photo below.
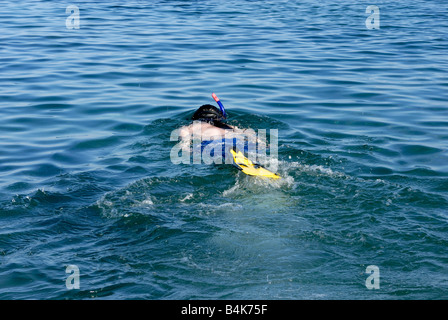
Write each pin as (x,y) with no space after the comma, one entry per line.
(86,177)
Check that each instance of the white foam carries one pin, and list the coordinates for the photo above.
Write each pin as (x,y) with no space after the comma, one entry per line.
(108,203)
(313,169)
(147,202)
(187,197)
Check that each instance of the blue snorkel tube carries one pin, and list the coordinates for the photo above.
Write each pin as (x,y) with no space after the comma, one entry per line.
(220,105)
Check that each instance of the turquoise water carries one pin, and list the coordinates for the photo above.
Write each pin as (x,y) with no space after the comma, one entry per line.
(86,177)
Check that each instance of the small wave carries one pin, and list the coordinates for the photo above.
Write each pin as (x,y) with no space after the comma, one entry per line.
(288,171)
(40,196)
(322,170)
(123,203)
(187,197)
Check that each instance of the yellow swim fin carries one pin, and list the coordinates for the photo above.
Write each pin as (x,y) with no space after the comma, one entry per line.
(250,168)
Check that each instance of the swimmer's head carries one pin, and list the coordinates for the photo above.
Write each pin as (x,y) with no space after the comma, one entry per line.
(210,114)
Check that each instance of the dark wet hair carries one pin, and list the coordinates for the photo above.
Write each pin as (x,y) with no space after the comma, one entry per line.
(212,115)
(207,111)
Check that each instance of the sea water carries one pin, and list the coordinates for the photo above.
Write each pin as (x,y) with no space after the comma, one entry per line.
(92,207)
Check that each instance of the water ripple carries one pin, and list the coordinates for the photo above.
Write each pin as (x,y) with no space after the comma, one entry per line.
(86,178)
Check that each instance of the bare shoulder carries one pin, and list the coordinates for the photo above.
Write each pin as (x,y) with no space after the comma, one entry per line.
(209,131)
(185,131)
(204,130)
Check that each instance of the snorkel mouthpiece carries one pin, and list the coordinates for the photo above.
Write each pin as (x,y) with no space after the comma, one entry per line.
(223,110)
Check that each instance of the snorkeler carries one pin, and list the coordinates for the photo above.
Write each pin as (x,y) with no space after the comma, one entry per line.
(212,123)
(210,127)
